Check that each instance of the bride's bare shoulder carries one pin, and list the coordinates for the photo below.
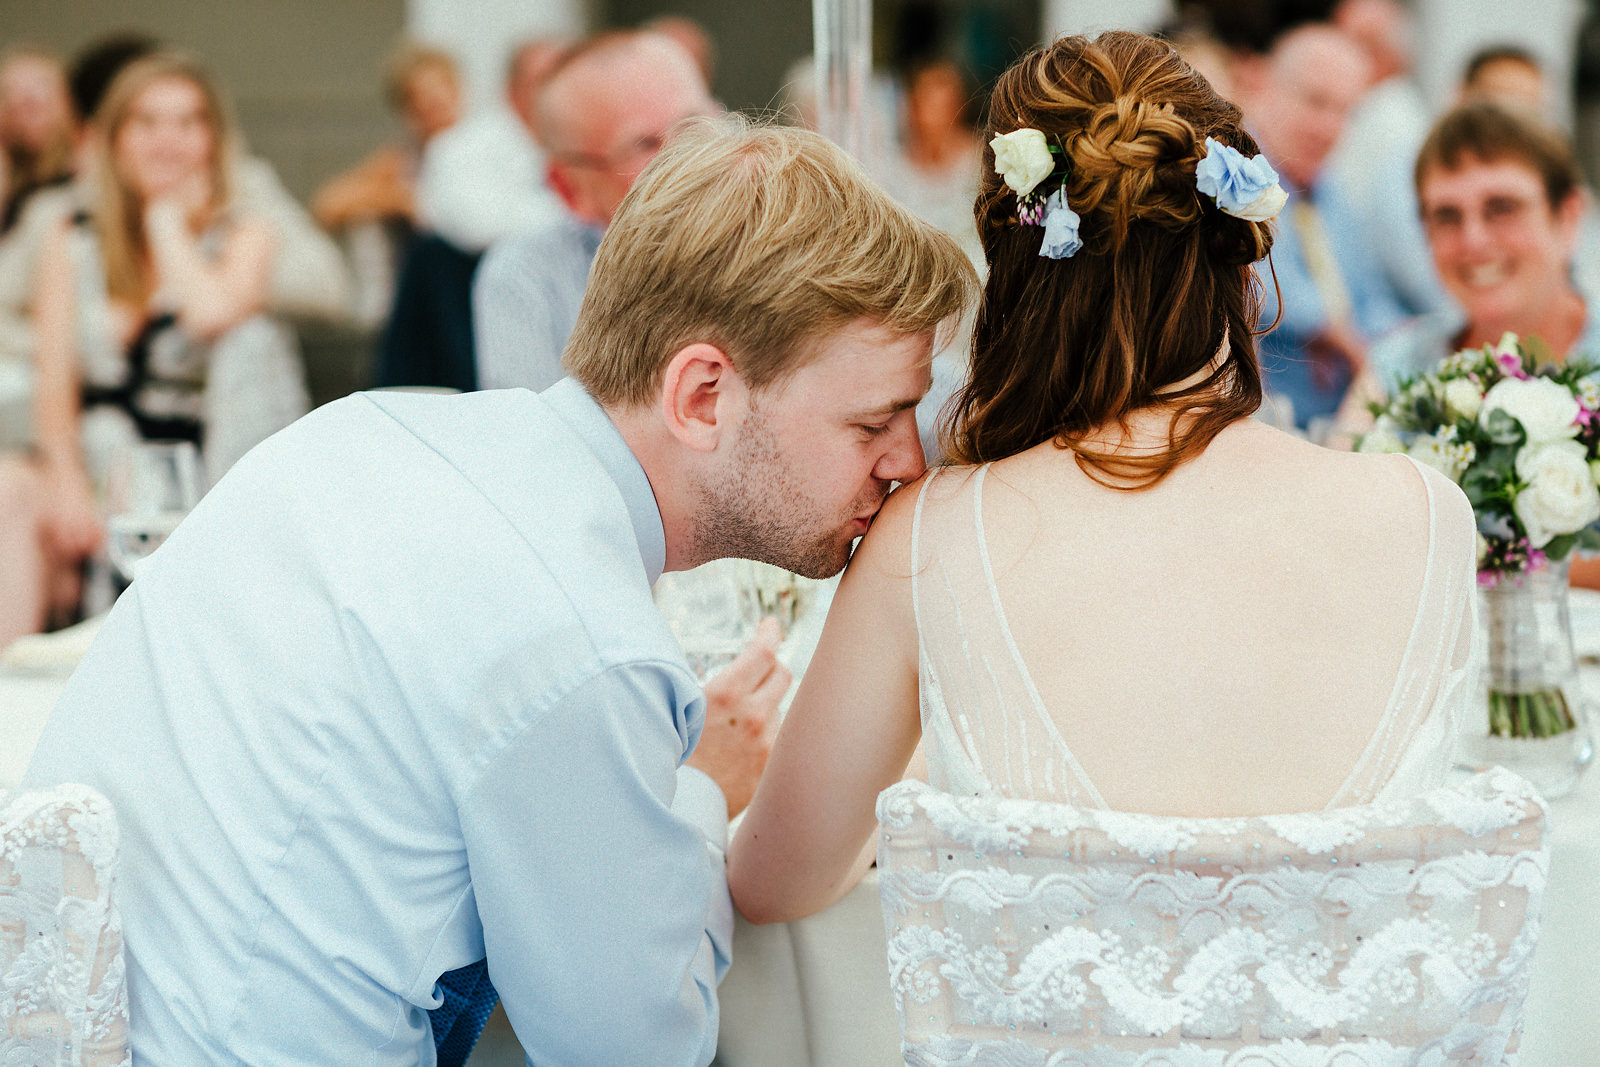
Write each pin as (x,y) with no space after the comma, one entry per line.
(886,547)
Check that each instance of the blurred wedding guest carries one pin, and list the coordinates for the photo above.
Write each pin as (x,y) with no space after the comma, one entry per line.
(692,36)
(308,276)
(36,128)
(484,177)
(481,179)
(374,203)
(1508,74)
(150,320)
(1373,162)
(1327,302)
(935,172)
(1502,206)
(37,139)
(1504,212)
(608,108)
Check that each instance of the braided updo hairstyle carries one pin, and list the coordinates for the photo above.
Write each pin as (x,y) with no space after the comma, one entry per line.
(1063,346)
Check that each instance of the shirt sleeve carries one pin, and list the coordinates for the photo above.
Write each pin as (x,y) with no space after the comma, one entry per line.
(605,911)
(516,338)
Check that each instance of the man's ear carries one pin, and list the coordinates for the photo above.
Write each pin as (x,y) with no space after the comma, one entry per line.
(702,396)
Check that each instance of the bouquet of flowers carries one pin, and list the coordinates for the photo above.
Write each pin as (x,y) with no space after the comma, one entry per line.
(1521,440)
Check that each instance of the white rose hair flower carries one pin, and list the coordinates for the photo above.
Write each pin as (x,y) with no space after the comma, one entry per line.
(1023,159)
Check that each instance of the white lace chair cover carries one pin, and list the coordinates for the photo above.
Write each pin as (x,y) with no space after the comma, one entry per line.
(1032,934)
(62,998)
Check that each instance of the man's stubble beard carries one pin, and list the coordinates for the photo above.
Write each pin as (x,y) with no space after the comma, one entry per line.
(755,512)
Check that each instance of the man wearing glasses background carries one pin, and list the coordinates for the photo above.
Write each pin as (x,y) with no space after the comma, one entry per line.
(605,110)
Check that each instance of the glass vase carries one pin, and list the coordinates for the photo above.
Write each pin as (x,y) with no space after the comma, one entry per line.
(1534,720)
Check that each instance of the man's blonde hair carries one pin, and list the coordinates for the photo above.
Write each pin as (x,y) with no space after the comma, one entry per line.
(757,239)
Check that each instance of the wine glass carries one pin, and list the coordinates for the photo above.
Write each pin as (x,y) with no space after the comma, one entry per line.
(710,611)
(151,486)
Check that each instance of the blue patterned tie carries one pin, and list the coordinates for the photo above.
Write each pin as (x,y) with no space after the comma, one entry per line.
(469,998)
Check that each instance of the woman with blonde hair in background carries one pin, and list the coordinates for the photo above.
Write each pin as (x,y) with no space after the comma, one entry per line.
(1124,593)
(149,324)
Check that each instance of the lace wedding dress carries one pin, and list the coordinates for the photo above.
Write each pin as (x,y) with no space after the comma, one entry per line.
(1029,926)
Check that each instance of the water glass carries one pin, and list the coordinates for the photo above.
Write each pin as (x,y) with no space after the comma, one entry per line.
(151,486)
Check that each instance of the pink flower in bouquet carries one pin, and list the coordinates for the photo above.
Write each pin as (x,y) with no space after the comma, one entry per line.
(1509,357)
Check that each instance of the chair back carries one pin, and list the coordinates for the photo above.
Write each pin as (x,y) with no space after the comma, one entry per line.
(1393,933)
(62,998)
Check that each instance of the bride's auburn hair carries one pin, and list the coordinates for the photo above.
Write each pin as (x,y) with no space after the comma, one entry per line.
(1065,346)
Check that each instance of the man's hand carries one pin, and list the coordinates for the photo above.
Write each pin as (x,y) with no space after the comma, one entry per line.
(740,701)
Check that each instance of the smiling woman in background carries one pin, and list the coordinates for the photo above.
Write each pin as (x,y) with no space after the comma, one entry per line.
(1501,204)
(149,323)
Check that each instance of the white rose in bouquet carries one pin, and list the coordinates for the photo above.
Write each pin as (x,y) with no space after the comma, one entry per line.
(1561,497)
(1463,396)
(1022,158)
(1547,410)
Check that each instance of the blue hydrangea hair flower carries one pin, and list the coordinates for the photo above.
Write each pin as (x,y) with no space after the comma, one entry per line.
(1061,240)
(1244,188)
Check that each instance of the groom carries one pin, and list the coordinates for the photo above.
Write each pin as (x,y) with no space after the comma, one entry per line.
(395,697)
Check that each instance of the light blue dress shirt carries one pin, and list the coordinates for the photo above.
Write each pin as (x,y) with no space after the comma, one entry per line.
(396,696)
(525,299)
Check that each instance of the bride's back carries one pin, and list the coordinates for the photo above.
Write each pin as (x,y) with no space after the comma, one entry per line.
(1166,606)
(1228,641)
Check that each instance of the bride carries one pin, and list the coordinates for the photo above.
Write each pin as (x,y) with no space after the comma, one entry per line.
(1124,592)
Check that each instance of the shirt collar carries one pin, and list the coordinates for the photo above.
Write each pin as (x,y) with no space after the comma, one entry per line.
(568,399)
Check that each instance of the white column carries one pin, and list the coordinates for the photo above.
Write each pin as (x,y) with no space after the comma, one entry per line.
(1092,16)
(842,46)
(481,34)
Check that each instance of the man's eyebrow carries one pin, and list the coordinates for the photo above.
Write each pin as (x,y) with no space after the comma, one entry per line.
(891,407)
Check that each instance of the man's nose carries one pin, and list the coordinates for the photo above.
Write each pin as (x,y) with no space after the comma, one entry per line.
(904,461)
